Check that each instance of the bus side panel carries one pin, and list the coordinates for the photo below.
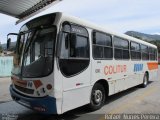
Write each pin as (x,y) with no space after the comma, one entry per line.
(113,71)
(153,70)
(76,90)
(137,71)
(58,88)
(98,73)
(76,98)
(122,75)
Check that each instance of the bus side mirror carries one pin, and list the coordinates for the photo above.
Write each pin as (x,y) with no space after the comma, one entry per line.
(9,40)
(8,43)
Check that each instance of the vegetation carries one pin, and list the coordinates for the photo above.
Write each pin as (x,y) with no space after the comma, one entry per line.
(1,49)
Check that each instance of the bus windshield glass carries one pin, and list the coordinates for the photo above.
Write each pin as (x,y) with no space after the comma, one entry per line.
(34,53)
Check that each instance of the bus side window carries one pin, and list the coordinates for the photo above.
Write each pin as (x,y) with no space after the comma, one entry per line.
(80,47)
(135,51)
(64,46)
(156,54)
(102,46)
(77,47)
(121,49)
(145,52)
(152,53)
(74,56)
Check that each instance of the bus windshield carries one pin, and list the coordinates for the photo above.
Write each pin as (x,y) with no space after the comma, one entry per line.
(34,53)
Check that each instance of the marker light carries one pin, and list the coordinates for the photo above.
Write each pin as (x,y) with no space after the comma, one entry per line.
(40,109)
(49,86)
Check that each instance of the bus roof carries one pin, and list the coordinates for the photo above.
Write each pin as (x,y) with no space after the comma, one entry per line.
(76,20)
(65,17)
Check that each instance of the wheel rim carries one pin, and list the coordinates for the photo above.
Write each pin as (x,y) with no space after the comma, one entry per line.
(97,97)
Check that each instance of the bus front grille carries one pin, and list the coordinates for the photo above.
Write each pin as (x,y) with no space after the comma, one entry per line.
(25,90)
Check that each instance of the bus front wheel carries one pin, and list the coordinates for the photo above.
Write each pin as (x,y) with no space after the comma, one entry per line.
(97,99)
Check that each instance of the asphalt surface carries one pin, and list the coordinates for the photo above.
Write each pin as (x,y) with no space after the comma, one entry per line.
(4,90)
(133,101)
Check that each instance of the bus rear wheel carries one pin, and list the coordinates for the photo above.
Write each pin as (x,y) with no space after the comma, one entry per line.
(97,99)
(145,80)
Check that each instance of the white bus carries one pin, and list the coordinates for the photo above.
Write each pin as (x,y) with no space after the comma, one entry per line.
(62,62)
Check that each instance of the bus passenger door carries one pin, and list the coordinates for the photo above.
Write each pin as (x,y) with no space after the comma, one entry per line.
(74,63)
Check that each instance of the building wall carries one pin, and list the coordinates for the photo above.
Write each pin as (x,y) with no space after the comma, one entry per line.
(6,64)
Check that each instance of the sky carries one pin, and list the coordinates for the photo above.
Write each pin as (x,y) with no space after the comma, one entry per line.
(117,15)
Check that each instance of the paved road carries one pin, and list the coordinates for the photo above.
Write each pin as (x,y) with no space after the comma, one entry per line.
(135,100)
(4,89)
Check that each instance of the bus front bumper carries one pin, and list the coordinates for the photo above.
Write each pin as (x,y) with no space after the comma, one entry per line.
(46,105)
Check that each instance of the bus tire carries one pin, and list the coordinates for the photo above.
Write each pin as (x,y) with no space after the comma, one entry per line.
(97,99)
(145,80)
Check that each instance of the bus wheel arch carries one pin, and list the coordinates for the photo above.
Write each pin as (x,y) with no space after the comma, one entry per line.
(98,95)
(105,84)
